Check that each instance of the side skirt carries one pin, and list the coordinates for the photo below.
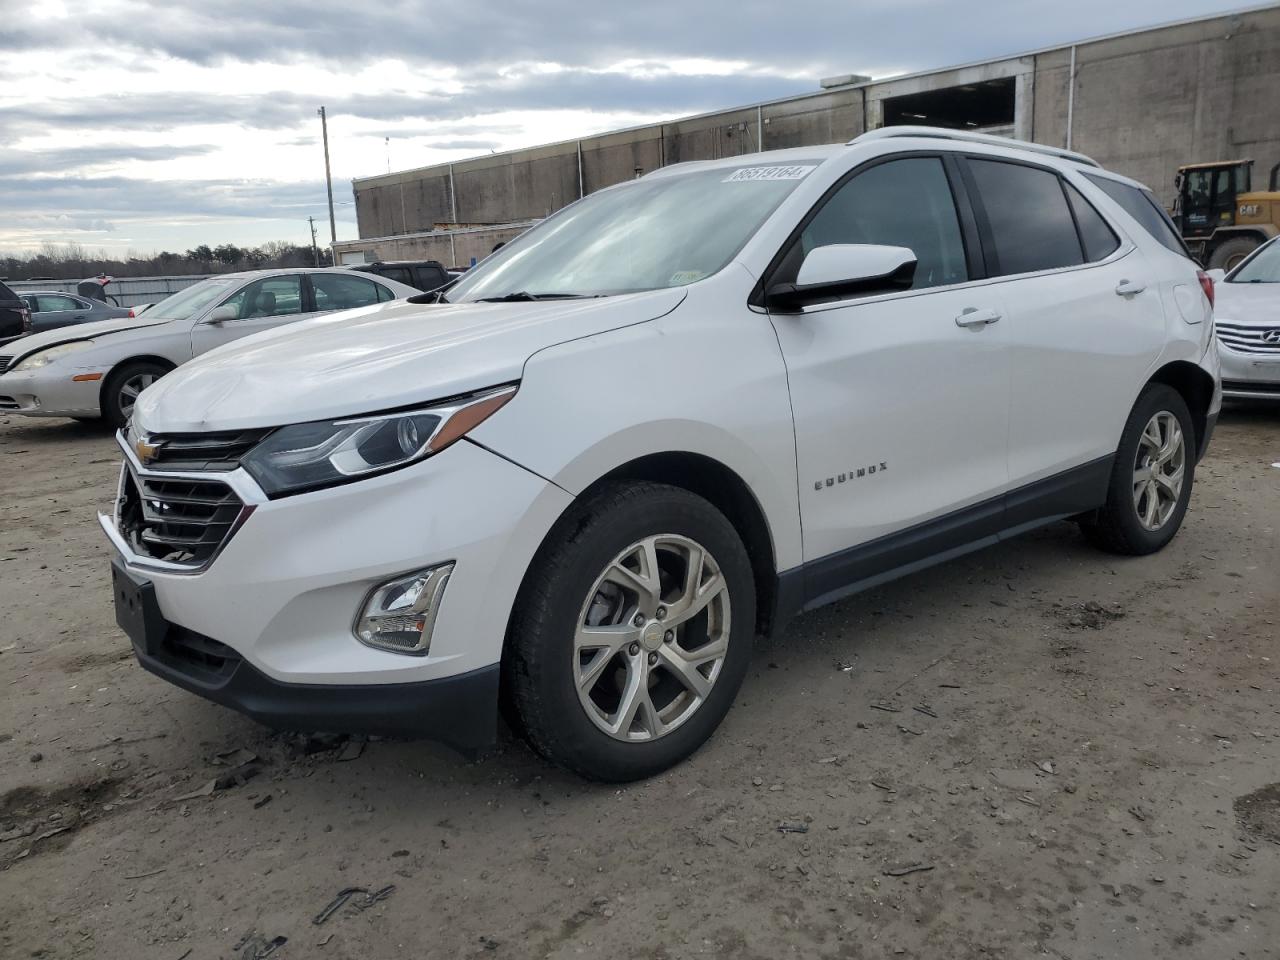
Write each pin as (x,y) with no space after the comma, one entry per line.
(867,565)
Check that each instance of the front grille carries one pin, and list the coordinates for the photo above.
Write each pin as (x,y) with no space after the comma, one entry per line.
(1251,386)
(200,451)
(178,521)
(1247,339)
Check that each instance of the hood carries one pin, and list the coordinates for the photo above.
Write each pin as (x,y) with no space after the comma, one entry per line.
(393,355)
(1247,303)
(79,331)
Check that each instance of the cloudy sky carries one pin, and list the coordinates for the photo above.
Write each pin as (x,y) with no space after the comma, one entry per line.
(132,124)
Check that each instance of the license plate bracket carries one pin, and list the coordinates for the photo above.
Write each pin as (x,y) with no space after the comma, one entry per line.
(137,610)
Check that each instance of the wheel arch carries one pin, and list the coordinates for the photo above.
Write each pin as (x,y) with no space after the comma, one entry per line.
(727,492)
(155,358)
(1196,386)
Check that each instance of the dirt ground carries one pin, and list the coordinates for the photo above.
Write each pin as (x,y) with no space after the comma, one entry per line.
(1035,750)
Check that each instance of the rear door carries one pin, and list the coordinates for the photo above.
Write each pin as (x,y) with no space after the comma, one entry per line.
(1085,323)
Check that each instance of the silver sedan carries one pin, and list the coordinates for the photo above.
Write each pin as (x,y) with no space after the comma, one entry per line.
(51,309)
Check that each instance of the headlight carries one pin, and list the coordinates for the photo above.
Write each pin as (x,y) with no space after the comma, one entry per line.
(42,358)
(309,455)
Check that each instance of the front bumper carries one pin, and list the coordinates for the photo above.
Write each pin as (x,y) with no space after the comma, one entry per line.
(1249,376)
(280,599)
(39,393)
(459,710)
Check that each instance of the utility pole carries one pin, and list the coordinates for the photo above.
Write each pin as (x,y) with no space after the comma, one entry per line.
(328,179)
(315,251)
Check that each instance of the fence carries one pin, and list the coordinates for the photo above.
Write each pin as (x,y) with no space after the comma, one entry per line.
(125,291)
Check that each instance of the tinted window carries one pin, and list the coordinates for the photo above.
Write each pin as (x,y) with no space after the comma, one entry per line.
(271,297)
(385,294)
(1142,206)
(50,302)
(400,274)
(6,293)
(1098,238)
(1029,218)
(902,203)
(429,278)
(335,292)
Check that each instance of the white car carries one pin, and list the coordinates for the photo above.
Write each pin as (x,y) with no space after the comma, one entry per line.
(668,417)
(1247,320)
(97,369)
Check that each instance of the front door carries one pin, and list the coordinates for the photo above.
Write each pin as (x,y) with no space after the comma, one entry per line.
(901,412)
(261,305)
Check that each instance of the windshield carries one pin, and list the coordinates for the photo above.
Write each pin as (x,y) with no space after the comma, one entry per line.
(187,303)
(1263,267)
(646,235)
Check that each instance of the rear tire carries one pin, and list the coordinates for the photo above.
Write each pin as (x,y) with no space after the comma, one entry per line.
(1151,478)
(632,632)
(122,389)
(1228,254)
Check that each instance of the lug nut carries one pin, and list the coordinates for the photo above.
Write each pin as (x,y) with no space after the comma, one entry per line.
(662,612)
(633,649)
(653,658)
(669,636)
(638,620)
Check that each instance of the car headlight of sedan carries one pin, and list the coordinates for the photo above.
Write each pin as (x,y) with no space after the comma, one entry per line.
(42,358)
(327,452)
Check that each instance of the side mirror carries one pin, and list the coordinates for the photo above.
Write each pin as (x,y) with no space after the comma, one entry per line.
(222,314)
(842,270)
(1216,275)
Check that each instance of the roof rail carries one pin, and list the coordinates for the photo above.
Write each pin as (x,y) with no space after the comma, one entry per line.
(942,133)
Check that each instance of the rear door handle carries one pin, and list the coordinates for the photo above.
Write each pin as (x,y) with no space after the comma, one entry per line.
(1127,288)
(975,319)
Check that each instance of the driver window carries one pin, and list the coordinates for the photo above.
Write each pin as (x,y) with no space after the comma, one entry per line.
(270,297)
(901,203)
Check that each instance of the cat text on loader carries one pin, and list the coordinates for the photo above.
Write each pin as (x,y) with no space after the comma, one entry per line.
(1219,216)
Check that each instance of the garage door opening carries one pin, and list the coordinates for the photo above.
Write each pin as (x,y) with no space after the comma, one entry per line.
(987,106)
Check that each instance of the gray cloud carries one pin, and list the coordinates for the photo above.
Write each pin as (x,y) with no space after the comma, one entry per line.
(16,162)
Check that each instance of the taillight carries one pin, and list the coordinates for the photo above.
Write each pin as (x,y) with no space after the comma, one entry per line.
(131,313)
(26,319)
(1206,284)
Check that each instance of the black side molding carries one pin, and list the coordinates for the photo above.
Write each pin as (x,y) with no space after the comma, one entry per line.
(819,582)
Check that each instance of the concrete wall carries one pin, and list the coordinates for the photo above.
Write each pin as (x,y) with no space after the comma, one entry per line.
(1144,104)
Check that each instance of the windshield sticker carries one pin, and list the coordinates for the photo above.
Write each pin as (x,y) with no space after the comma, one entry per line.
(793,172)
(681,277)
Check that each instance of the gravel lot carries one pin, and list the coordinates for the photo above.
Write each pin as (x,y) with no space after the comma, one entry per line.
(1080,753)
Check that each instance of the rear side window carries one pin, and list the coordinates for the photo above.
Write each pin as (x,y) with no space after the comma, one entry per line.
(1097,238)
(400,274)
(384,293)
(1030,221)
(6,293)
(429,278)
(1144,208)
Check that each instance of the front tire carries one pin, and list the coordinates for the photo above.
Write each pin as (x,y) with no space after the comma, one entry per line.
(123,386)
(1151,478)
(632,632)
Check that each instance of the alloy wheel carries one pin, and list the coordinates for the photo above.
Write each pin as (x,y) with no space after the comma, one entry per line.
(1159,470)
(652,638)
(130,389)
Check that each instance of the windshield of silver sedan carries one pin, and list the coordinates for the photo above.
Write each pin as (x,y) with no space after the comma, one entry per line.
(188,302)
(1264,267)
(652,233)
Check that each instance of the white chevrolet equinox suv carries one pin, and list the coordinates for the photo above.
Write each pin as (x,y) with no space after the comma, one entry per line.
(580,481)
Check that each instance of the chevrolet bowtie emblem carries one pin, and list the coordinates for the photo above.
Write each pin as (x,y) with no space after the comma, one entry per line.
(146,451)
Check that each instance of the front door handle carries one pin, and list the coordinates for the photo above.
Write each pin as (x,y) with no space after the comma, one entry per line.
(1127,288)
(975,319)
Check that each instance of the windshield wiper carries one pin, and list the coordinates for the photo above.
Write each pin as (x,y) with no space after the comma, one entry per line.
(431,296)
(520,296)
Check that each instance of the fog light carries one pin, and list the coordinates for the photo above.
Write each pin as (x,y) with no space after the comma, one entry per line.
(401,613)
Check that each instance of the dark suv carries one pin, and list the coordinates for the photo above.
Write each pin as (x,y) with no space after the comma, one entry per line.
(423,274)
(15,318)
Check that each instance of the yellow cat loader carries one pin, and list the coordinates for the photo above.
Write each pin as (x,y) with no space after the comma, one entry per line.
(1218,214)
